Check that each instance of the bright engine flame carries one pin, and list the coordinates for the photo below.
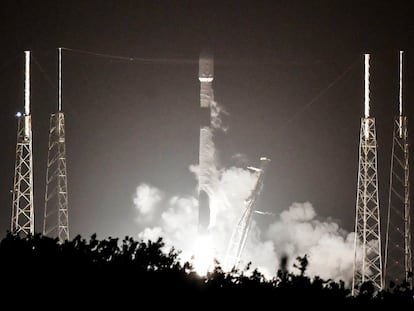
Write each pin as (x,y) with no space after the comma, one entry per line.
(203,255)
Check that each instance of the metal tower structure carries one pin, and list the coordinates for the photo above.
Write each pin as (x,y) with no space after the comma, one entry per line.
(206,152)
(56,220)
(22,221)
(367,256)
(239,235)
(398,264)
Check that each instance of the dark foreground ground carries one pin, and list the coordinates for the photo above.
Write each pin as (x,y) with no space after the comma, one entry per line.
(38,271)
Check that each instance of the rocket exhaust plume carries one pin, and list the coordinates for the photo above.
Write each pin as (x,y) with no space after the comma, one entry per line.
(206,151)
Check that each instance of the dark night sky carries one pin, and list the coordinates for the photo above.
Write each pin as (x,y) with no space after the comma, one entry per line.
(129,123)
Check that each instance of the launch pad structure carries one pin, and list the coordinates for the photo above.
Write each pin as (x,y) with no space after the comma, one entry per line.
(239,236)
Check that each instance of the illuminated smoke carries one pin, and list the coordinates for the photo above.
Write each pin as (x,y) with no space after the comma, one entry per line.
(329,248)
(217,113)
(146,201)
(177,224)
(295,232)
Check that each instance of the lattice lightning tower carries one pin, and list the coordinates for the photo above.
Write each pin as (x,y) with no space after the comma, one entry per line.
(367,257)
(239,235)
(56,218)
(22,221)
(398,264)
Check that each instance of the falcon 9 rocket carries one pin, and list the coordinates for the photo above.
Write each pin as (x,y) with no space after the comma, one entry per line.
(205,75)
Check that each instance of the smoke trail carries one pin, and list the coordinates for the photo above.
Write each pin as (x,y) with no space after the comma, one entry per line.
(217,113)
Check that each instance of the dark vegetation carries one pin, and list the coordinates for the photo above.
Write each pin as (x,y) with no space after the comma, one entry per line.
(109,271)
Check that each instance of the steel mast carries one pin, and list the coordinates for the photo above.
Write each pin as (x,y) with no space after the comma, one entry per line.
(398,261)
(56,217)
(22,221)
(367,253)
(239,235)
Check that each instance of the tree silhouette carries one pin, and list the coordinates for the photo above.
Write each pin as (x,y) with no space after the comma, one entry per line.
(113,271)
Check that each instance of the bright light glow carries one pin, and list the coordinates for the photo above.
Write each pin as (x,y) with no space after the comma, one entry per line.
(205,79)
(203,255)
(366,85)
(254,169)
(18,114)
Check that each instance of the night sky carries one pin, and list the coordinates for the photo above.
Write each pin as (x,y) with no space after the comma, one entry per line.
(289,74)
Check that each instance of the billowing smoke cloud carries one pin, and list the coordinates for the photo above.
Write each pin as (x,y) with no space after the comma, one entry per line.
(146,201)
(329,248)
(295,232)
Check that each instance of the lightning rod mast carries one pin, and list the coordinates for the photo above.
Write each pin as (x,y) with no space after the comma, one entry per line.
(367,249)
(56,217)
(22,221)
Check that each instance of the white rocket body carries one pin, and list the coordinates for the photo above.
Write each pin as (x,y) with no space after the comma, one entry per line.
(206,153)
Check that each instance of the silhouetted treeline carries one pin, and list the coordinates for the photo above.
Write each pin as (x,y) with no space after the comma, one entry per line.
(111,271)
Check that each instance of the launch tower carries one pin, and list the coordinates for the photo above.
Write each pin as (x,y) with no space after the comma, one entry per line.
(398,264)
(367,256)
(22,221)
(56,218)
(239,235)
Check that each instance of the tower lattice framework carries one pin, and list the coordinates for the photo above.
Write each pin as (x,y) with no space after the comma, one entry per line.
(56,220)
(398,261)
(367,257)
(239,236)
(22,222)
